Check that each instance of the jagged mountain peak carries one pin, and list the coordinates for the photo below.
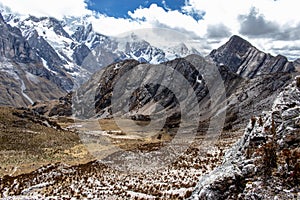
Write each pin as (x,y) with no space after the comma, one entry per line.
(246,60)
(235,39)
(236,44)
(231,52)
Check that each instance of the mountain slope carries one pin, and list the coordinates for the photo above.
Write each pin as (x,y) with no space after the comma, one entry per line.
(99,89)
(244,97)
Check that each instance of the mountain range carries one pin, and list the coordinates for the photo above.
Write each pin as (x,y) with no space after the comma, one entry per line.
(63,54)
(65,70)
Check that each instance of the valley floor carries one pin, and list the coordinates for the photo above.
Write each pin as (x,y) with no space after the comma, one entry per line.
(63,176)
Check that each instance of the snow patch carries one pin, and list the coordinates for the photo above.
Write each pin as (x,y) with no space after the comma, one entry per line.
(47,67)
(140,195)
(23,88)
(32,78)
(199,80)
(117,66)
(38,186)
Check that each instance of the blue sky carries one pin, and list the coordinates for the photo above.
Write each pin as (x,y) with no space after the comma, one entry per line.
(120,8)
(272,26)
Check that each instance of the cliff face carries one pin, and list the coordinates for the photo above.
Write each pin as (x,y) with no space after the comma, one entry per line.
(264,163)
(23,76)
(246,60)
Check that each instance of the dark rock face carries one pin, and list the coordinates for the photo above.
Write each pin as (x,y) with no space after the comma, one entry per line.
(14,46)
(244,59)
(80,53)
(107,82)
(145,94)
(253,96)
(297,64)
(45,51)
(264,159)
(99,90)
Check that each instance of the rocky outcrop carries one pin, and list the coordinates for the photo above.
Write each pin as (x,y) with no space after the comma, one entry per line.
(297,64)
(57,27)
(246,60)
(82,32)
(80,53)
(60,107)
(252,96)
(264,163)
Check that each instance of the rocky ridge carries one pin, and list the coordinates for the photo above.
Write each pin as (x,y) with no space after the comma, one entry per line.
(264,163)
(244,97)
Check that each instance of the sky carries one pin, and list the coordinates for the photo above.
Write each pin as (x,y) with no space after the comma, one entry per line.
(271,25)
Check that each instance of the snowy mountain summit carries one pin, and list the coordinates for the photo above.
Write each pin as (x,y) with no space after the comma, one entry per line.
(67,52)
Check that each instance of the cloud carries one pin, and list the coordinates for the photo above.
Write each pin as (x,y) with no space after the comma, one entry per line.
(288,49)
(255,24)
(165,5)
(157,16)
(54,8)
(272,22)
(289,33)
(114,26)
(218,31)
(192,11)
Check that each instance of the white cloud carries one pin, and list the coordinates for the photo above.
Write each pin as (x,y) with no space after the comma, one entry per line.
(54,8)
(158,17)
(115,26)
(227,11)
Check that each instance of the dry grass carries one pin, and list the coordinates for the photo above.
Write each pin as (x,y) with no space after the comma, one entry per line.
(27,144)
